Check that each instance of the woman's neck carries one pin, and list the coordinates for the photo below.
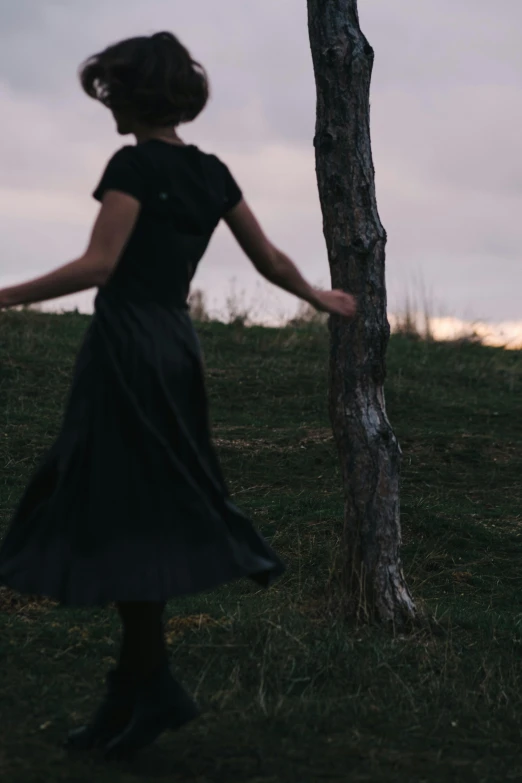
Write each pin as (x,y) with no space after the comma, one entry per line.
(163,134)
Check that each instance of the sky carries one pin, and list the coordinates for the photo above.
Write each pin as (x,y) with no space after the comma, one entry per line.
(446,114)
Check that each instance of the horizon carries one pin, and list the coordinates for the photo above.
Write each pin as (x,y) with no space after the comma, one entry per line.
(505,334)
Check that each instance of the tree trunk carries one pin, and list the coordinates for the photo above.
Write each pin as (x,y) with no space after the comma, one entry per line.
(373,584)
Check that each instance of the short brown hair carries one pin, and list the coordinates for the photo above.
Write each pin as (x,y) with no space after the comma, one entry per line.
(154,78)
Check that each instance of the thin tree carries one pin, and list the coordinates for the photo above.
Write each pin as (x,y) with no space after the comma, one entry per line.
(373,583)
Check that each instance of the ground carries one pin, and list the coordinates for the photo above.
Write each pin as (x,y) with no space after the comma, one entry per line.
(292,693)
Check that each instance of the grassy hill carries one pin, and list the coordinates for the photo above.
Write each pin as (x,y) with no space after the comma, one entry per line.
(291,693)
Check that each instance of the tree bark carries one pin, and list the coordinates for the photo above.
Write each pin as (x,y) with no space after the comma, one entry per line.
(372,580)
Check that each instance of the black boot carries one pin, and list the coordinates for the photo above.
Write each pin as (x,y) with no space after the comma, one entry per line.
(161,703)
(112,715)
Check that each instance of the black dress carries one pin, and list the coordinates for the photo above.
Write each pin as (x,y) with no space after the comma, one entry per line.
(130,502)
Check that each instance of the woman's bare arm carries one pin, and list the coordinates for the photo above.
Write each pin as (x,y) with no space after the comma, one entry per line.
(111,231)
(276,267)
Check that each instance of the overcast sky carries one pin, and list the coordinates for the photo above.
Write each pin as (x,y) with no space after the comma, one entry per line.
(446,120)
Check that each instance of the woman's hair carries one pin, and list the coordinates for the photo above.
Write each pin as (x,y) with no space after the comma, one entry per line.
(152,78)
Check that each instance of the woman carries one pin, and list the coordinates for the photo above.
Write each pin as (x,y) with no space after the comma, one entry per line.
(130,505)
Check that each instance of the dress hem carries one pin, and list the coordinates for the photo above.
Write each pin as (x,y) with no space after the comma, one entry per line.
(264,578)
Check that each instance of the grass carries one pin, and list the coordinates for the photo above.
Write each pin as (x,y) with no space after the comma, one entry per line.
(291,693)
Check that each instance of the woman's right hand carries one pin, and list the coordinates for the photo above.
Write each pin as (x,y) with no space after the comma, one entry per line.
(335,301)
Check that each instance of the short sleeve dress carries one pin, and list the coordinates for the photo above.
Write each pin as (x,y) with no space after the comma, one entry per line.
(130,502)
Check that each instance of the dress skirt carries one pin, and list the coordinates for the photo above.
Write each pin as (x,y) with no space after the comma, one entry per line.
(130,502)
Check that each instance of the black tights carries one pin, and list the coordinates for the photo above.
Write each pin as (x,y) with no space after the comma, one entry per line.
(143,647)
